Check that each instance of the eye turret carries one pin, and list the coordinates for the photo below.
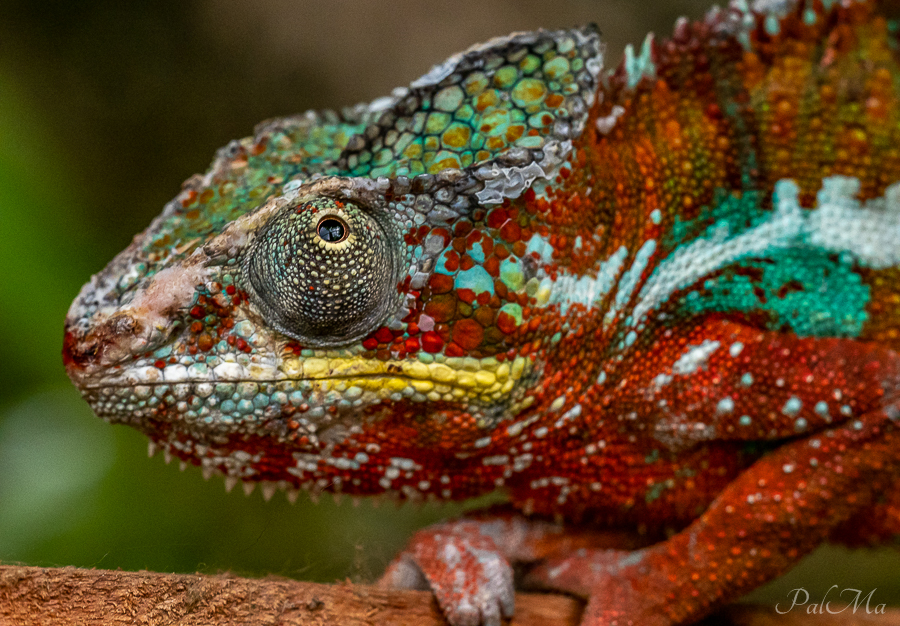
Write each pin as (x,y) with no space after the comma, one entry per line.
(324,272)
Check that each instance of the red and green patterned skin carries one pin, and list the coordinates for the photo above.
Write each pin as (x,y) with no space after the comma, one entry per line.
(659,306)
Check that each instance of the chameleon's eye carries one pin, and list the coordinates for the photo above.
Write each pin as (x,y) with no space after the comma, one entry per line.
(323,272)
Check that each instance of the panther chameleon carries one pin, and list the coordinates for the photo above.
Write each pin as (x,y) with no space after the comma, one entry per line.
(656,306)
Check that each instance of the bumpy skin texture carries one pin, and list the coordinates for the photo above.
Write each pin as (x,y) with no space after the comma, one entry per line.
(663,299)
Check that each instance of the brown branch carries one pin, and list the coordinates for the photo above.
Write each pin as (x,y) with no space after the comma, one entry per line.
(69,596)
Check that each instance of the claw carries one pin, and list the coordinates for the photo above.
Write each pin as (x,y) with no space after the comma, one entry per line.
(230,482)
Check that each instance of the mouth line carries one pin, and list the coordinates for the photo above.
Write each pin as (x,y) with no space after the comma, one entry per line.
(471,389)
(258,381)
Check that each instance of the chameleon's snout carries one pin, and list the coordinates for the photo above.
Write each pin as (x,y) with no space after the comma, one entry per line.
(75,353)
(100,346)
(99,337)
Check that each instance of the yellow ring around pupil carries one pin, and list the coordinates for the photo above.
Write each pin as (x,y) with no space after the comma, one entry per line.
(332,229)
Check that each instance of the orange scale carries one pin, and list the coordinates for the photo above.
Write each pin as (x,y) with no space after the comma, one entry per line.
(493,337)
(462,228)
(492,266)
(510,232)
(452,261)
(432,342)
(497,217)
(467,334)
(484,315)
(383,335)
(506,323)
(205,342)
(442,308)
(553,100)
(370,344)
(454,350)
(466,295)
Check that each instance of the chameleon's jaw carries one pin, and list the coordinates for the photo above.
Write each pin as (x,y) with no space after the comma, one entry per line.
(304,388)
(255,423)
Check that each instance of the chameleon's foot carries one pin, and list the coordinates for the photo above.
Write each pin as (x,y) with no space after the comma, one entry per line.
(466,563)
(618,584)
(471,580)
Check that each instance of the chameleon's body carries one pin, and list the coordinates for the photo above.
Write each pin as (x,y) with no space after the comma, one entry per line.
(663,298)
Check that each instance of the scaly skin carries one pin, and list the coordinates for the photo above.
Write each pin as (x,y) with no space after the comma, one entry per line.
(662,300)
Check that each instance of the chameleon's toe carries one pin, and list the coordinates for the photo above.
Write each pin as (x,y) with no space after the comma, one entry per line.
(471,580)
(403,573)
(618,589)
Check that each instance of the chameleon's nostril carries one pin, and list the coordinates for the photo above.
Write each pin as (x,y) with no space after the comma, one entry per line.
(122,324)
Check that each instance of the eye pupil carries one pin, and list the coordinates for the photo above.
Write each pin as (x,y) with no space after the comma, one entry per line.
(332,230)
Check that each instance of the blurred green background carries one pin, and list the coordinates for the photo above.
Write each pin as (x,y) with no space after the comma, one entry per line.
(105,108)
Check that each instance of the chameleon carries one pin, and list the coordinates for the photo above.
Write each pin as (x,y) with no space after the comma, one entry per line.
(655,306)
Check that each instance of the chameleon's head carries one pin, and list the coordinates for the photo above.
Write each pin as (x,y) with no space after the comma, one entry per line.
(344,292)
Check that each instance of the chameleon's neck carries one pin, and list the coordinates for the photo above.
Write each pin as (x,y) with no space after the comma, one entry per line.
(694,140)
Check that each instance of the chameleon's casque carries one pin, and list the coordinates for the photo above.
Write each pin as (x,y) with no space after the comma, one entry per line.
(662,298)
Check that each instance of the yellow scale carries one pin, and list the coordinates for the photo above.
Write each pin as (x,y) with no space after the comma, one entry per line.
(486,379)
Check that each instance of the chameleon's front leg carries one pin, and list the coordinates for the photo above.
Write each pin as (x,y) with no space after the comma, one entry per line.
(735,383)
(760,525)
(466,563)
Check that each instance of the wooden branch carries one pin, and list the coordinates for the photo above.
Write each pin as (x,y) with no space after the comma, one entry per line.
(69,596)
